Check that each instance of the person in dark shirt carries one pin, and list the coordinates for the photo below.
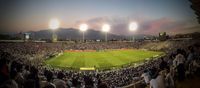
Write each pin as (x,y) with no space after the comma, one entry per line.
(88,82)
(34,76)
(163,64)
(4,73)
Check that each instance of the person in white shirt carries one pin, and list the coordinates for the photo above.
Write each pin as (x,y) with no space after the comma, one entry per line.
(157,80)
(146,76)
(169,79)
(180,66)
(179,60)
(48,83)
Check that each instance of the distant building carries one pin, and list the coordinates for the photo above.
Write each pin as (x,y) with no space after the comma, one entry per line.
(26,37)
(163,36)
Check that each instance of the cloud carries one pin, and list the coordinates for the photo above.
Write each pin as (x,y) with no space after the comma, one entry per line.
(119,25)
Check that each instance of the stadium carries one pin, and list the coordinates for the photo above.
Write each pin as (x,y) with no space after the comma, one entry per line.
(76,44)
(76,61)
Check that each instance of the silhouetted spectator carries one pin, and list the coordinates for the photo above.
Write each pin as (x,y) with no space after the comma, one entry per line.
(4,73)
(146,76)
(34,76)
(59,82)
(163,64)
(180,60)
(169,80)
(49,84)
(157,80)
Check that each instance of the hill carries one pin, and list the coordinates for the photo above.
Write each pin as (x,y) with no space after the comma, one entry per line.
(72,34)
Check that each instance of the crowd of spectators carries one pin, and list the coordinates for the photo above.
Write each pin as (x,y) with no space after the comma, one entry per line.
(103,45)
(17,71)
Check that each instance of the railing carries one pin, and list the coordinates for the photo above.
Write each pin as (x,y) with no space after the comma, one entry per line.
(134,85)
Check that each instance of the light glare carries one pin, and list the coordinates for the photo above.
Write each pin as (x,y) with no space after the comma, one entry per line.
(133,26)
(83,27)
(54,24)
(106,28)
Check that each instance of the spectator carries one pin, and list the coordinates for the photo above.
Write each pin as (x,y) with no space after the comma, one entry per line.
(103,85)
(180,66)
(29,83)
(12,83)
(196,66)
(88,82)
(146,77)
(59,82)
(20,77)
(34,77)
(169,80)
(157,80)
(49,84)
(4,74)
(163,64)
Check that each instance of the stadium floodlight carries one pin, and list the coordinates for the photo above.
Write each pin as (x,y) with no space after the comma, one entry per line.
(133,26)
(83,28)
(106,29)
(54,24)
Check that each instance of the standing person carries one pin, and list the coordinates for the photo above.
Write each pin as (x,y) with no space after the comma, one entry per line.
(4,73)
(20,78)
(169,79)
(34,77)
(11,83)
(49,76)
(146,77)
(190,56)
(196,66)
(163,64)
(180,60)
(157,80)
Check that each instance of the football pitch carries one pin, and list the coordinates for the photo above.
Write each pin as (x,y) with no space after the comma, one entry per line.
(103,59)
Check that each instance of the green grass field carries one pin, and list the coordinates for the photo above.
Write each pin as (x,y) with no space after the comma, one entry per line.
(100,59)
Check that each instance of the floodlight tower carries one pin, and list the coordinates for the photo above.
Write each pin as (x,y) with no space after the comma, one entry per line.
(133,26)
(83,28)
(106,29)
(54,25)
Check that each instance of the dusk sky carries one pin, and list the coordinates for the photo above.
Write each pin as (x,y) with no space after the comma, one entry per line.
(152,16)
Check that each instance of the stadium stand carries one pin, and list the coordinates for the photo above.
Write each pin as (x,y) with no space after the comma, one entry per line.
(21,66)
